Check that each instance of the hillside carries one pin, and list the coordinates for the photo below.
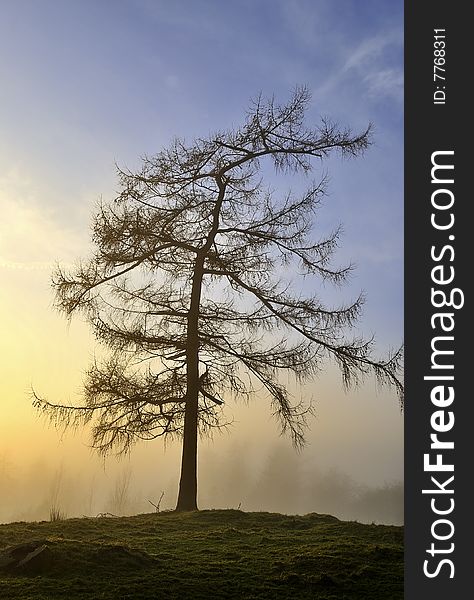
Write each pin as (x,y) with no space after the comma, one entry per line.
(206,554)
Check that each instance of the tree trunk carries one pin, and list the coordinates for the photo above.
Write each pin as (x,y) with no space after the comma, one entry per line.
(187,496)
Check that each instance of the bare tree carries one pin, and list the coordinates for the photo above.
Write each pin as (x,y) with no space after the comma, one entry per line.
(188,288)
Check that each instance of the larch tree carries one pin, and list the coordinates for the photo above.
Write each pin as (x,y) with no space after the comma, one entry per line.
(189,289)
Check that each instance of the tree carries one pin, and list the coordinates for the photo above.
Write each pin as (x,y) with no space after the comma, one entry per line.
(187,290)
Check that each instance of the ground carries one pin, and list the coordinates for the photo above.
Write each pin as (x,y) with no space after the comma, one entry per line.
(197,555)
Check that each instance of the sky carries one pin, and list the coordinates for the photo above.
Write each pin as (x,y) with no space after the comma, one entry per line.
(87,85)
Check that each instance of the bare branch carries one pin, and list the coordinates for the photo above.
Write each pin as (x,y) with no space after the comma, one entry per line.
(187,286)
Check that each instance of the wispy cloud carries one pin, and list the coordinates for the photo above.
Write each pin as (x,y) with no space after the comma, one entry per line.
(370,63)
(30,236)
(385,83)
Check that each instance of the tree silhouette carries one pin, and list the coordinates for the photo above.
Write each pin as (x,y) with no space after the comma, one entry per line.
(189,289)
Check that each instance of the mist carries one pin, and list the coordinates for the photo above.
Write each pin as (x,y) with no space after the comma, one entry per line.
(352,466)
(232,474)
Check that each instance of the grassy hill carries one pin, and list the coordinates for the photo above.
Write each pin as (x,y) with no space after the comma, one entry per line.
(206,554)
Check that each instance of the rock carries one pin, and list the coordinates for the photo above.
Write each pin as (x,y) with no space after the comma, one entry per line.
(30,557)
(38,561)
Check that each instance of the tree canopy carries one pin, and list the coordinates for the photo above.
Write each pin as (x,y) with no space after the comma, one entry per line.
(189,288)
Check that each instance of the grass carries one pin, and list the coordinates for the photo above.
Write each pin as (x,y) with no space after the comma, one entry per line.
(56,514)
(210,554)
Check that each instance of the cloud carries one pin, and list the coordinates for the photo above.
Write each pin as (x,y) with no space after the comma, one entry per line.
(371,63)
(372,49)
(385,83)
(31,236)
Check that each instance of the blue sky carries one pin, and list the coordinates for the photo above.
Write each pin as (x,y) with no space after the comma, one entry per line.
(89,83)
(86,84)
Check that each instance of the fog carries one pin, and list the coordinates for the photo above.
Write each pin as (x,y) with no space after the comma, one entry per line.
(352,466)
(284,482)
(249,468)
